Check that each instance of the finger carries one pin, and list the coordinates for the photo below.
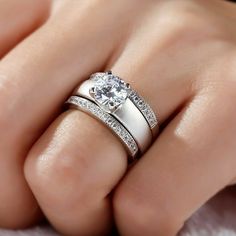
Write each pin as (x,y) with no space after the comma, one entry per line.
(69,144)
(18,19)
(47,65)
(192,160)
(53,76)
(71,172)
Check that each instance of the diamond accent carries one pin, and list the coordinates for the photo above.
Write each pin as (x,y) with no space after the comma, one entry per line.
(144,108)
(107,119)
(109,91)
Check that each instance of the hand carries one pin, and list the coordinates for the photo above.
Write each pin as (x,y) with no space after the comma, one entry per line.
(180,55)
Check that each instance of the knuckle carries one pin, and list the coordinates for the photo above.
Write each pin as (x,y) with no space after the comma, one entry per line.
(54,167)
(56,171)
(131,208)
(63,155)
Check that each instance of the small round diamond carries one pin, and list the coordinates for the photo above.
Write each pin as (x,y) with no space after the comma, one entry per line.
(109,91)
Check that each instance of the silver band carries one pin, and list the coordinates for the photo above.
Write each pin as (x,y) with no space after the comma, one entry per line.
(94,110)
(146,110)
(128,115)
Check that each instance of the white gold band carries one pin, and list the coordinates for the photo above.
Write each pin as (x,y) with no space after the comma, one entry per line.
(97,112)
(129,115)
(146,110)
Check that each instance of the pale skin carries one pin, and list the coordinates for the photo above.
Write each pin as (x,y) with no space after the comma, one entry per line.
(66,166)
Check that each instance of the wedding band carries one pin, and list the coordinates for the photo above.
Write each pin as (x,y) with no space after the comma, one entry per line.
(117,98)
(91,108)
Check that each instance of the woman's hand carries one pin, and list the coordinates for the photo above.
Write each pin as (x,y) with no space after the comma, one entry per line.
(180,55)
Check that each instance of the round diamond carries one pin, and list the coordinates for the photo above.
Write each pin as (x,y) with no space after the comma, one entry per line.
(109,91)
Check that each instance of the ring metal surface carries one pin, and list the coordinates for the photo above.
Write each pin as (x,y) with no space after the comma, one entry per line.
(118,129)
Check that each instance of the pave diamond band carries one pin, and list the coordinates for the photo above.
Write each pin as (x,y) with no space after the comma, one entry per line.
(93,109)
(146,110)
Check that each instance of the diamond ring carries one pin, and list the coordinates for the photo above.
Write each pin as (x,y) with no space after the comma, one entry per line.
(115,97)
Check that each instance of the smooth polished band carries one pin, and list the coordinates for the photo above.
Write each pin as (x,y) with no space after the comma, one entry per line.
(97,112)
(128,115)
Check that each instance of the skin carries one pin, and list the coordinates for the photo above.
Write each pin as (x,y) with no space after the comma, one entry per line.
(179,55)
(18,19)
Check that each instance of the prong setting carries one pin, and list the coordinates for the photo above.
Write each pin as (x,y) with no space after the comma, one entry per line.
(92,91)
(109,91)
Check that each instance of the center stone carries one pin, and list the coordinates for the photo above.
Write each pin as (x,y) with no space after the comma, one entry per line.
(109,91)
